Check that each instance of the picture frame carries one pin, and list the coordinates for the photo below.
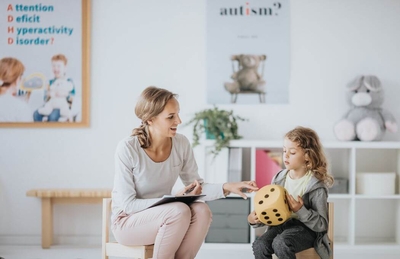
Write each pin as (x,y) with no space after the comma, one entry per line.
(52,41)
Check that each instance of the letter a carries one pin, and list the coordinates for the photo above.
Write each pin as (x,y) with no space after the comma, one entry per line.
(9,8)
(223,11)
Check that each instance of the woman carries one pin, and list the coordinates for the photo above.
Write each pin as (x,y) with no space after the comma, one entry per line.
(12,109)
(147,165)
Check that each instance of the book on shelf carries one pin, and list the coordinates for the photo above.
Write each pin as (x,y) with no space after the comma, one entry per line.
(235,165)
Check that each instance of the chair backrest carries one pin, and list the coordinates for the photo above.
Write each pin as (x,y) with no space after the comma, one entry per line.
(331,218)
(114,249)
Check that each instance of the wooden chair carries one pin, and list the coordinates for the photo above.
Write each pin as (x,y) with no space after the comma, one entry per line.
(115,249)
(311,253)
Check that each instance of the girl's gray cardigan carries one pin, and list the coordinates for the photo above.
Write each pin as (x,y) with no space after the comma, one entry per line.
(314,213)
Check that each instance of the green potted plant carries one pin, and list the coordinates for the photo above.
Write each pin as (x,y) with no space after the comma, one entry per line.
(217,124)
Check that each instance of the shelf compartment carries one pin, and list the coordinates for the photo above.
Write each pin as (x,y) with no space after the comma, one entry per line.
(339,167)
(376,221)
(239,164)
(268,162)
(229,224)
(378,161)
(342,216)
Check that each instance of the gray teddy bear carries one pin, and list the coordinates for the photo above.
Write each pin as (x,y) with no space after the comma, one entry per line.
(366,120)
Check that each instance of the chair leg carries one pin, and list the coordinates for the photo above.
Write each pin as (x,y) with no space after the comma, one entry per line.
(262,97)
(105,235)
(148,253)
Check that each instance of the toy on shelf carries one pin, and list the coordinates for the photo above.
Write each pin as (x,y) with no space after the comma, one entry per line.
(271,205)
(366,120)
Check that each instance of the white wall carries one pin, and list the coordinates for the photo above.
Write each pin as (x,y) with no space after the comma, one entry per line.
(140,43)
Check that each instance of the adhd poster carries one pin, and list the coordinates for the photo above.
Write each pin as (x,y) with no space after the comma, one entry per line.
(49,37)
(248,51)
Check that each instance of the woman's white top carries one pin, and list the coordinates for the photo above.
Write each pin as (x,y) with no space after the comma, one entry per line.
(139,181)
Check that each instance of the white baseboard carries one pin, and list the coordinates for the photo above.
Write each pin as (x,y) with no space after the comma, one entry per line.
(237,250)
(20,240)
(58,240)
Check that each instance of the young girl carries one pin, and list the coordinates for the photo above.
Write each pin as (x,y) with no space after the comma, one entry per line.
(12,109)
(147,165)
(306,180)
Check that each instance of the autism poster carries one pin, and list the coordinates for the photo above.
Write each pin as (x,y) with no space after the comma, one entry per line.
(51,40)
(248,51)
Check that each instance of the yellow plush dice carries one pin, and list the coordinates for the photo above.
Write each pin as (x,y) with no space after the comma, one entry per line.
(271,205)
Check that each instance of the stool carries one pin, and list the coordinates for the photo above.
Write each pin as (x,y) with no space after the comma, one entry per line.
(113,248)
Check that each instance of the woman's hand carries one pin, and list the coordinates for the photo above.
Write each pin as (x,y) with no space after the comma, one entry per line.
(293,204)
(240,187)
(252,218)
(191,189)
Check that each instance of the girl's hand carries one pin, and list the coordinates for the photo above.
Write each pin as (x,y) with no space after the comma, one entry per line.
(293,204)
(240,187)
(252,218)
(191,189)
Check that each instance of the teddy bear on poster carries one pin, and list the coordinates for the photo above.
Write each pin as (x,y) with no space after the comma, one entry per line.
(58,93)
(366,120)
(246,78)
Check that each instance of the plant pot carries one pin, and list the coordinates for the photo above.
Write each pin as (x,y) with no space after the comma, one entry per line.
(209,135)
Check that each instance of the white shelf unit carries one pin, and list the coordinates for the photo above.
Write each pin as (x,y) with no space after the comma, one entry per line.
(360,220)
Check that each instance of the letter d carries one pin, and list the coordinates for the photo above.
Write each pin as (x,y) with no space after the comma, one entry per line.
(10,18)
(10,41)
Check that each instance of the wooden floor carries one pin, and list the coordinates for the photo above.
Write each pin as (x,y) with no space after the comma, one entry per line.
(73,252)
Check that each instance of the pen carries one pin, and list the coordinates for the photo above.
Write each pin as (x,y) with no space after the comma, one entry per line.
(191,189)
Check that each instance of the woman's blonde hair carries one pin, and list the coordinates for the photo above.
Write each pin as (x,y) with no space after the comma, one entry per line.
(316,161)
(10,70)
(151,102)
